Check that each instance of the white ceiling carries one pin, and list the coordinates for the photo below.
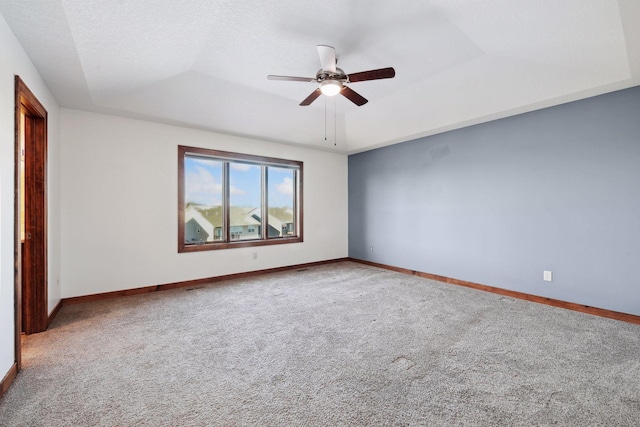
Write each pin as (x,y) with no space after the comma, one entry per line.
(203,63)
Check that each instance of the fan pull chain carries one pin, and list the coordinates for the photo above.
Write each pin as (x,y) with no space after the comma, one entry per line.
(335,124)
(325,118)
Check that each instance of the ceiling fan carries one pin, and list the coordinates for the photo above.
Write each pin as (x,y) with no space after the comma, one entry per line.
(332,79)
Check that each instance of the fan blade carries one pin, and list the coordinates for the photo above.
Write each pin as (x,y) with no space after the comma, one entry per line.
(309,99)
(353,96)
(291,78)
(327,58)
(382,73)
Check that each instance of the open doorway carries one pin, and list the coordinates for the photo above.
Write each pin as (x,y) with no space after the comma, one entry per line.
(30,252)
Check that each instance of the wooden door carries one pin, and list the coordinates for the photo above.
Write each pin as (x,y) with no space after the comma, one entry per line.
(31,286)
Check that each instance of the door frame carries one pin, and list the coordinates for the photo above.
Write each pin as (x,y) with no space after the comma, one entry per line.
(35,300)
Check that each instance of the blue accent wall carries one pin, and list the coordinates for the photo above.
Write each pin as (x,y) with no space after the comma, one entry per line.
(497,203)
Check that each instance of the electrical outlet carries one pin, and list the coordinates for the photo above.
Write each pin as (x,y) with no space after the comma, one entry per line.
(371,248)
(547,276)
(255,255)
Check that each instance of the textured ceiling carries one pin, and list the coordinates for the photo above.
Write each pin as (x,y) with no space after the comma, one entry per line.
(204,64)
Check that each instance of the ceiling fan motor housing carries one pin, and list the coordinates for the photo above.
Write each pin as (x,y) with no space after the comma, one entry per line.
(339,75)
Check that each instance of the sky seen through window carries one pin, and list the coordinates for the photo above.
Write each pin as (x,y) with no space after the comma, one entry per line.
(203,183)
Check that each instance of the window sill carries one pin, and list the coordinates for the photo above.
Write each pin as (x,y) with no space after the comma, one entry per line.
(238,244)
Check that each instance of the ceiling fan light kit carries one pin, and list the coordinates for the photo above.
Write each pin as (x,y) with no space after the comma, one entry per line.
(330,87)
(331,79)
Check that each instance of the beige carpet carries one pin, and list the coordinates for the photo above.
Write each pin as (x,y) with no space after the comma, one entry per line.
(336,345)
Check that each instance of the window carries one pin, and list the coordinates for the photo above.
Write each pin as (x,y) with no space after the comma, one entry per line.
(228,200)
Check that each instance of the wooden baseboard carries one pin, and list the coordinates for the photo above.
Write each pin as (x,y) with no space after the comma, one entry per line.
(8,379)
(54,313)
(190,283)
(625,317)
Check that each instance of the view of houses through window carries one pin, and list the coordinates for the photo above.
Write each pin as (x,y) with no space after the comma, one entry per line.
(228,198)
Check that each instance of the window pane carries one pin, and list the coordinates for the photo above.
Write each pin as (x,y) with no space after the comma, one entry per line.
(281,196)
(203,200)
(245,186)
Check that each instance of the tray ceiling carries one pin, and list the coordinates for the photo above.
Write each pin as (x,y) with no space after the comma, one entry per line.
(203,64)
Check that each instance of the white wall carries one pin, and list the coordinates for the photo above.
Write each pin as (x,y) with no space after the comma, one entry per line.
(15,61)
(119,205)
